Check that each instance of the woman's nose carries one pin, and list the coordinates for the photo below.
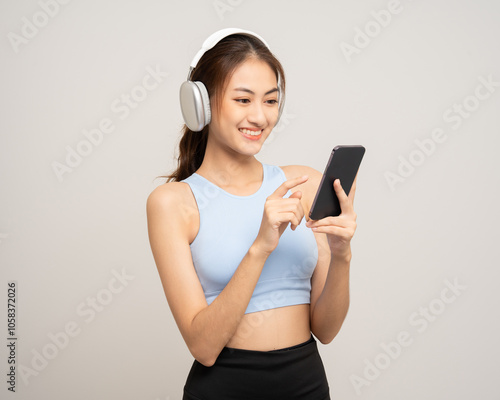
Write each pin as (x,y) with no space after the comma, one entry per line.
(256,114)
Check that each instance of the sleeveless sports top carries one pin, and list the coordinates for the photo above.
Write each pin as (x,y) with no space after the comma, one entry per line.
(229,225)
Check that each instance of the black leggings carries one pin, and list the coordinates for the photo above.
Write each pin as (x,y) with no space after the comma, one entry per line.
(295,372)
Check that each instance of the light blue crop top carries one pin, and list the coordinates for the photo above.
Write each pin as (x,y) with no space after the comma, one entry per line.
(229,225)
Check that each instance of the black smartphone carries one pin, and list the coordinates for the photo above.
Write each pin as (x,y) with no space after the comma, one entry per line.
(343,164)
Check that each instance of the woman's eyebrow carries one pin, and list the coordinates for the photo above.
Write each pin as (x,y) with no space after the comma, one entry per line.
(242,89)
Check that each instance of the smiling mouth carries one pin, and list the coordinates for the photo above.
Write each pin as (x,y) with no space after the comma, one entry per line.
(251,134)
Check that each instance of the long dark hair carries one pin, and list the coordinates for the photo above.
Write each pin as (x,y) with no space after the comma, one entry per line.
(215,69)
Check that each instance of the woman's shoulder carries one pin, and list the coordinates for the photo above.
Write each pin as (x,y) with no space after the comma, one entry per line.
(169,196)
(173,205)
(292,171)
(168,190)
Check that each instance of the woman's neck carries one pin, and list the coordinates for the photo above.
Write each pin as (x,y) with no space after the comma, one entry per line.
(235,172)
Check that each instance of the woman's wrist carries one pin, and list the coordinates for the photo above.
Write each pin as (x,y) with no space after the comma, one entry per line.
(342,256)
(257,251)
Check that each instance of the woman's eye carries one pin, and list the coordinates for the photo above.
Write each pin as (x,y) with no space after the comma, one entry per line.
(272,101)
(243,100)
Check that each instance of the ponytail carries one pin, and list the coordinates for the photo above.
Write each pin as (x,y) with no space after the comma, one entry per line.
(191,152)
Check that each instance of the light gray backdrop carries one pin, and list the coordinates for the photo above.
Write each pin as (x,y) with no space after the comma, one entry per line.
(90,116)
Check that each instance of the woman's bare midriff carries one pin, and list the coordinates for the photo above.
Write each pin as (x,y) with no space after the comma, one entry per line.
(273,329)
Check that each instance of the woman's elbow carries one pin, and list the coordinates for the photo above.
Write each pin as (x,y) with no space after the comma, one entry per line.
(206,362)
(203,355)
(325,339)
(205,358)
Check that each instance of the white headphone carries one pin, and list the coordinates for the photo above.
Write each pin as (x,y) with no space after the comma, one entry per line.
(195,103)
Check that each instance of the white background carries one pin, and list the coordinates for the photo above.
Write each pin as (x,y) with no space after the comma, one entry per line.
(64,239)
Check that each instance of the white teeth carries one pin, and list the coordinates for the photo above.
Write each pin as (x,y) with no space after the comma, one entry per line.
(249,132)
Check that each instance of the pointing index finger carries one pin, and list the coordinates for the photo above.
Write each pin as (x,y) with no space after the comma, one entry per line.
(287,185)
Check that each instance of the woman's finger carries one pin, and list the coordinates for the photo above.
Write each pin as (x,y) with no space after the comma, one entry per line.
(343,233)
(287,185)
(341,221)
(345,203)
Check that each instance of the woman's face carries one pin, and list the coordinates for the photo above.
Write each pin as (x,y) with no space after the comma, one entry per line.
(249,109)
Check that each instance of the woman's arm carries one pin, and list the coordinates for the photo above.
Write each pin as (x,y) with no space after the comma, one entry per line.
(330,281)
(207,328)
(330,298)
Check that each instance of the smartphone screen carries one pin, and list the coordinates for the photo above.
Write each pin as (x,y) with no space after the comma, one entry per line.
(343,164)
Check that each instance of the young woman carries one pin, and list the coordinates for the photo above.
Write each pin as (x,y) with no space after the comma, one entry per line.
(248,280)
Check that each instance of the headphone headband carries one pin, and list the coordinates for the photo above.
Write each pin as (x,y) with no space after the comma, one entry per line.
(216,37)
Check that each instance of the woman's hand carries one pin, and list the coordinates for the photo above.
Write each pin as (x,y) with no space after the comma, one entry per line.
(339,230)
(278,213)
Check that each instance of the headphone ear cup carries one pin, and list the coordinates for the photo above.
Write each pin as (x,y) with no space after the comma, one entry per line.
(195,105)
(205,101)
